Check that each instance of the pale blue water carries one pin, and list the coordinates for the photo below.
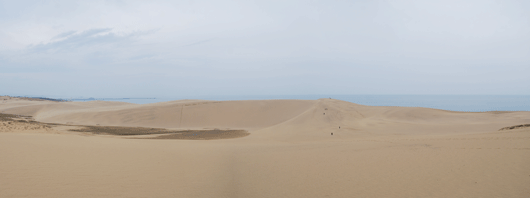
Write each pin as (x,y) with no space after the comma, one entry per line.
(446,102)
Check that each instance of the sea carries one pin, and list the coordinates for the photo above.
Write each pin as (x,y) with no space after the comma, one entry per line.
(465,103)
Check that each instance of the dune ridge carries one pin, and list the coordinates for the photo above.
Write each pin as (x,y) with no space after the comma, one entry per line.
(296,115)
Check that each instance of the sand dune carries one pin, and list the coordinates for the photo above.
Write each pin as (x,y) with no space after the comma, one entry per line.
(177,114)
(320,116)
(290,152)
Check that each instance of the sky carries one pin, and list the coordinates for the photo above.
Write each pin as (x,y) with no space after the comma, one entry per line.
(188,48)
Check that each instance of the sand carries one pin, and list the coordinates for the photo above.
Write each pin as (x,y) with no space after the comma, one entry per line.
(289,152)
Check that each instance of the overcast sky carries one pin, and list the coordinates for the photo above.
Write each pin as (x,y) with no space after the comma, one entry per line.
(185,48)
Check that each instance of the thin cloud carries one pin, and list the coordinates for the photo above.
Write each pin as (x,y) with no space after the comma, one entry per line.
(72,41)
(63,35)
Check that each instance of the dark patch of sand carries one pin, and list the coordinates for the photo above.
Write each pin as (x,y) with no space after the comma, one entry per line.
(164,133)
(121,131)
(204,135)
(135,131)
(515,127)
(13,117)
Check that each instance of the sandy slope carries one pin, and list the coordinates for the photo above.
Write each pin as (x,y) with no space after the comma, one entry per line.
(377,152)
(175,114)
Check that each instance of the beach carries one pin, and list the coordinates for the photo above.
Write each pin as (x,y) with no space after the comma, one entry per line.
(259,148)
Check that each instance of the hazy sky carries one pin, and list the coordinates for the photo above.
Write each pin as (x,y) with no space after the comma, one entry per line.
(176,48)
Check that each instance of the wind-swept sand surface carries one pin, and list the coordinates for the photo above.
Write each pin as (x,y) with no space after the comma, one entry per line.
(290,152)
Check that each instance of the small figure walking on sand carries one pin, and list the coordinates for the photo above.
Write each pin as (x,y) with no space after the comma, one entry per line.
(331,133)
(339,127)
